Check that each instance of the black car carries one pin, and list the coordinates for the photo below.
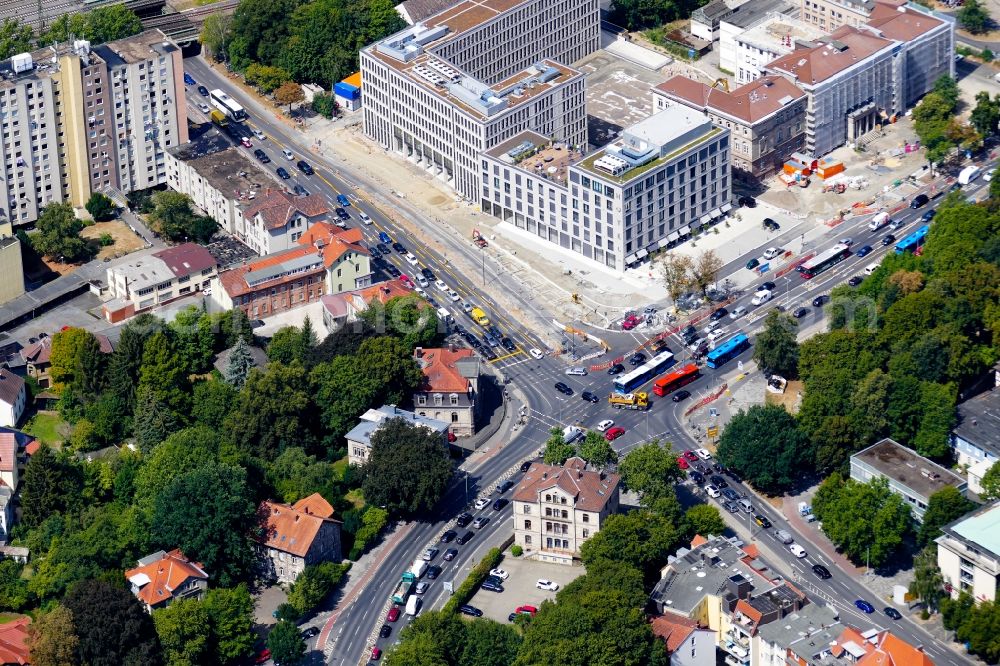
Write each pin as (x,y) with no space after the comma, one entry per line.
(463,519)
(697,477)
(748,202)
(820,300)
(433,572)
(383,248)
(450,554)
(310,632)
(562,388)
(929,215)
(689,332)
(616,369)
(508,344)
(300,191)
(261,155)
(719,314)
(283,172)
(919,201)
(342,213)
(856,280)
(304,167)
(426,272)
(464,539)
(637,358)
(734,476)
(771,224)
(491,586)
(762,521)
(203,91)
(891,612)
(526,465)
(385,631)
(681,395)
(590,397)
(466,609)
(392,270)
(888,239)
(256,323)
(718,481)
(448,536)
(505,486)
(821,571)
(799,313)
(490,355)
(767,285)
(399,247)
(499,503)
(731,495)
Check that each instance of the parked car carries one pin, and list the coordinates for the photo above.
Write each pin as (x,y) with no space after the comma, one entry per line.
(604,425)
(712,491)
(543,584)
(771,224)
(697,477)
(864,606)
(385,631)
(731,494)
(466,609)
(309,632)
(614,433)
(731,506)
(499,573)
(682,463)
(718,481)
(491,587)
(821,571)
(752,264)
(856,280)
(392,615)
(188,79)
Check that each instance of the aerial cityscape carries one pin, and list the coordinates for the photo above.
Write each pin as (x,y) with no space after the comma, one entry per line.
(500,332)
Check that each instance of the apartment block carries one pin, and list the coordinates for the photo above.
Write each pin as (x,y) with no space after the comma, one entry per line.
(558,507)
(828,15)
(774,36)
(748,15)
(142,282)
(766,118)
(78,120)
(976,437)
(968,554)
(663,179)
(277,220)
(457,83)
(450,389)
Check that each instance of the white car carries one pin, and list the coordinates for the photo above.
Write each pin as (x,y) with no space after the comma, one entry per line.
(712,491)
(711,327)
(467,307)
(605,424)
(703,454)
(441,285)
(499,573)
(422,281)
(288,154)
(420,292)
(797,550)
(204,108)
(364,218)
(846,241)
(453,295)
(543,584)
(536,353)
(760,297)
(410,257)
(421,587)
(260,135)
(772,252)
(716,334)
(482,503)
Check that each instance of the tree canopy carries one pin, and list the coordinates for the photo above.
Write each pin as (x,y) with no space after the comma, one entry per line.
(408,467)
(764,445)
(112,627)
(775,347)
(57,234)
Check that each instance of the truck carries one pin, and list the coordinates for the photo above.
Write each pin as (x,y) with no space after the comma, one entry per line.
(479,317)
(418,569)
(571,433)
(968,174)
(879,221)
(629,401)
(219,118)
(412,605)
(403,588)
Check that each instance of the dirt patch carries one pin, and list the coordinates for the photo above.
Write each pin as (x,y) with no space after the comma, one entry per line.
(125,240)
(437,201)
(790,399)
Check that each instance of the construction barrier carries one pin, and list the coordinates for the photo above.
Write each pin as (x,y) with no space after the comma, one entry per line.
(707,399)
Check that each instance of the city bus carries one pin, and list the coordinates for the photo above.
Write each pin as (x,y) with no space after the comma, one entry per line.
(824,260)
(227,105)
(674,380)
(913,241)
(629,382)
(728,350)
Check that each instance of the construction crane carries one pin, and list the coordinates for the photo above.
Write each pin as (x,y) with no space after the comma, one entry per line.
(721,83)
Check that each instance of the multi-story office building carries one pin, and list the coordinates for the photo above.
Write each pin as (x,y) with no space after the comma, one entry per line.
(452,86)
(766,118)
(776,35)
(749,15)
(663,179)
(828,15)
(968,554)
(78,120)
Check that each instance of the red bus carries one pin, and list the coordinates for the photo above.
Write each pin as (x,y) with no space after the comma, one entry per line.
(672,381)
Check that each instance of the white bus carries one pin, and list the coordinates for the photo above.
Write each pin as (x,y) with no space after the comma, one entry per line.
(227,105)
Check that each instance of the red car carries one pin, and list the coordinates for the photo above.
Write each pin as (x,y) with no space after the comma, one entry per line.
(682,463)
(405,279)
(526,609)
(376,652)
(263,656)
(245,142)
(630,322)
(393,614)
(614,433)
(691,455)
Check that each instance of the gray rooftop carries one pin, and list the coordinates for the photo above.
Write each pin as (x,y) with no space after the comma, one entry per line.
(690,575)
(673,124)
(806,622)
(907,467)
(142,272)
(979,421)
(981,529)
(756,10)
(373,419)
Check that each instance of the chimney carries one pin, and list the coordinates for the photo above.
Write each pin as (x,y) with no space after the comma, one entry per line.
(419,352)
(545,475)
(579,473)
(296,517)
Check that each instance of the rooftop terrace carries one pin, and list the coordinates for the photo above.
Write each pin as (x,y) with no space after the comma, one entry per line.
(538,155)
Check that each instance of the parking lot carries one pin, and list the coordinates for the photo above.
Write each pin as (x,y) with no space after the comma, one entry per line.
(520,590)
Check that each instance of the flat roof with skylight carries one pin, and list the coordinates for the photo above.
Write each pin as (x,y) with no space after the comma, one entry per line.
(538,155)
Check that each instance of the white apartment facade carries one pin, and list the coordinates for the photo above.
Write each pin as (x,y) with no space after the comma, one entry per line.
(968,554)
(445,90)
(773,37)
(666,177)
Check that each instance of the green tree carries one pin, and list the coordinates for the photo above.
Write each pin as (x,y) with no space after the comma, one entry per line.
(231,612)
(267,78)
(211,402)
(182,452)
(927,584)
(284,346)
(239,365)
(833,442)
(765,446)
(341,394)
(100,207)
(285,643)
(775,347)
(57,234)
(974,17)
(489,643)
(991,484)
(954,612)
(937,406)
(930,121)
(76,363)
(408,468)
(51,484)
(985,117)
(164,374)
(216,33)
(640,14)
(259,31)
(557,449)
(641,539)
(208,513)
(273,411)
(980,631)
(294,474)
(868,408)
(650,470)
(184,628)
(406,317)
(110,22)
(174,218)
(152,420)
(52,638)
(947,88)
(123,368)
(596,450)
(15,37)
(945,506)
(314,583)
(112,626)
(325,105)
(704,519)
(675,272)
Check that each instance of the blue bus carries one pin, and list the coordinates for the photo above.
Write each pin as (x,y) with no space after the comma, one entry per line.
(627,383)
(728,350)
(913,241)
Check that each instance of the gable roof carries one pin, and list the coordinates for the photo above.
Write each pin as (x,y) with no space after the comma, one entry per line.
(316,505)
(8,452)
(890,650)
(897,21)
(750,103)
(290,529)
(32,447)
(590,490)
(159,574)
(441,373)
(186,259)
(38,352)
(14,642)
(844,48)
(11,386)
(674,629)
(278,208)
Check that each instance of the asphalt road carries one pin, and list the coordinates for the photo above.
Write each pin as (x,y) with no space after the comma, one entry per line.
(546,407)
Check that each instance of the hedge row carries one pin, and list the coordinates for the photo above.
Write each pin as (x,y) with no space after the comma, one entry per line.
(468,588)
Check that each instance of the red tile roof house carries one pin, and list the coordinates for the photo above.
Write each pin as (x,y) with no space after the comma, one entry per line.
(162,577)
(294,536)
(688,643)
(8,481)
(140,283)
(13,396)
(339,309)
(14,642)
(276,221)
(327,260)
(450,389)
(37,354)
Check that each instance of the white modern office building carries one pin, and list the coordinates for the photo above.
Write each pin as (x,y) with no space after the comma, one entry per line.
(457,83)
(774,36)
(968,554)
(662,180)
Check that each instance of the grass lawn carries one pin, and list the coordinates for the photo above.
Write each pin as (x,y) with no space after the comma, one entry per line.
(9,617)
(356,498)
(49,428)
(340,467)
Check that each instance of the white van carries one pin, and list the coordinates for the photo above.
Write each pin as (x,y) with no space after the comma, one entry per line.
(968,174)
(870,268)
(571,434)
(879,221)
(577,371)
(761,297)
(746,505)
(419,568)
(445,315)
(412,605)
(738,312)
